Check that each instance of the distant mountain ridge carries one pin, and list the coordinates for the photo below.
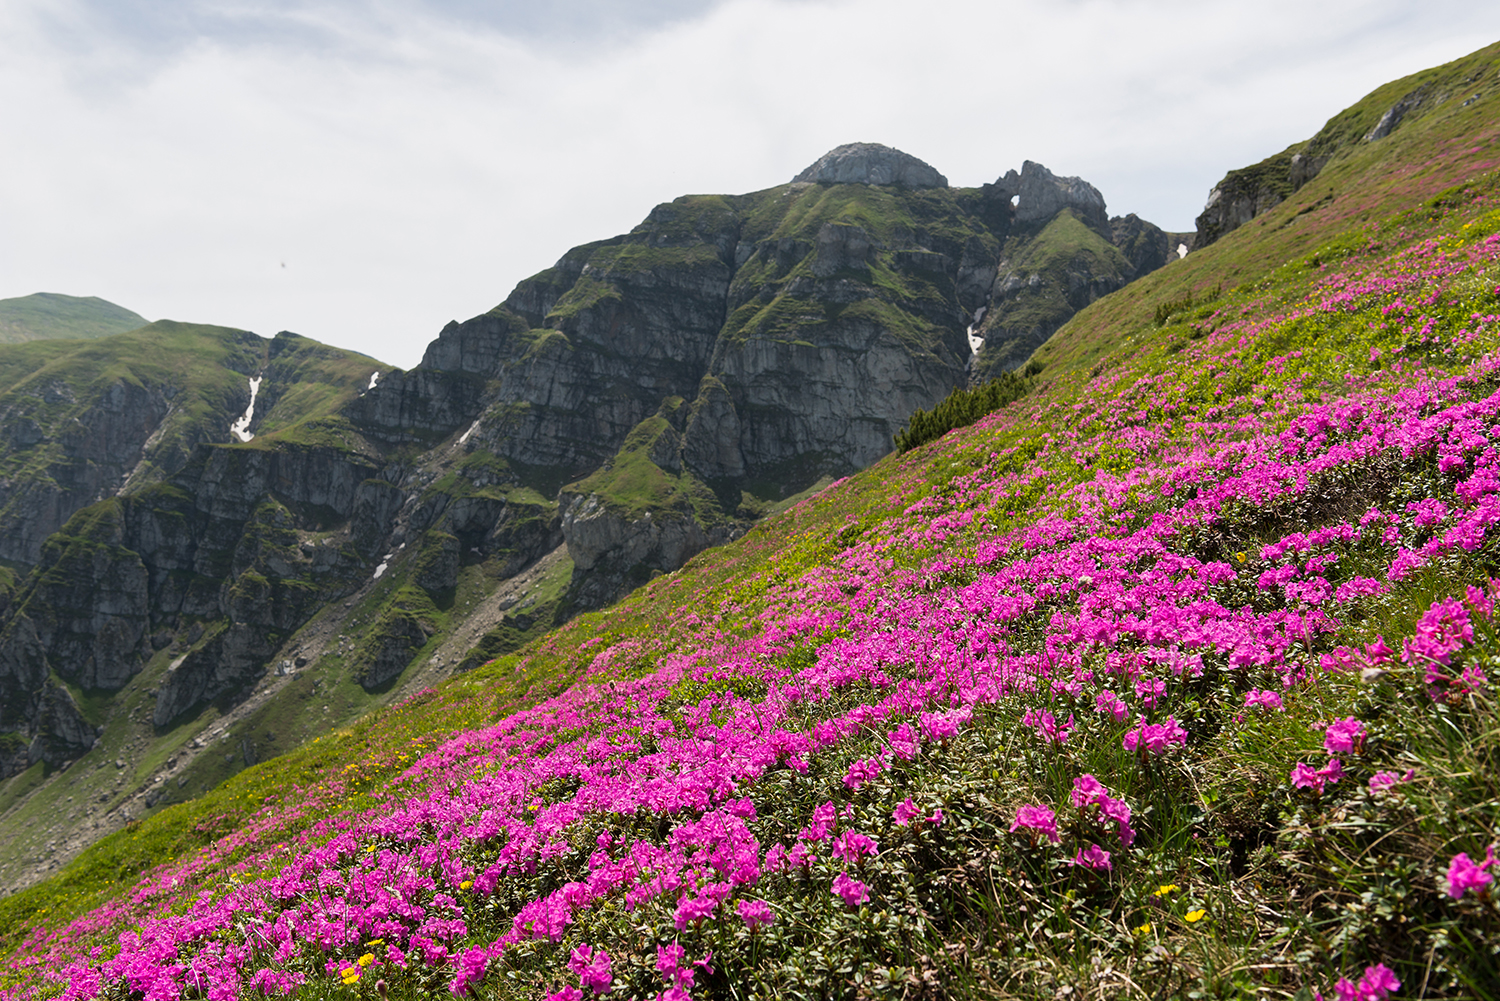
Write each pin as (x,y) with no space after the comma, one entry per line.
(50,316)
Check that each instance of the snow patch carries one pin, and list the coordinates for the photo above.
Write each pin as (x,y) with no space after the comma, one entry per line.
(472,428)
(374,378)
(380,570)
(1181,251)
(241,428)
(975,341)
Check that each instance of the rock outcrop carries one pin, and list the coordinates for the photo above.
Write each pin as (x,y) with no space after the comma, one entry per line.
(1251,191)
(1040,195)
(1061,253)
(871,163)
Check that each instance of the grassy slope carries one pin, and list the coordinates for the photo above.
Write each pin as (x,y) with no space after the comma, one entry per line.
(1242,883)
(1363,186)
(48,316)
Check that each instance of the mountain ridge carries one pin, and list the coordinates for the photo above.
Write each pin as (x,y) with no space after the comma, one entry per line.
(50,315)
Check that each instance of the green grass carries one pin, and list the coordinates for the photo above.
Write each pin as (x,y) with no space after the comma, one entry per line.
(49,316)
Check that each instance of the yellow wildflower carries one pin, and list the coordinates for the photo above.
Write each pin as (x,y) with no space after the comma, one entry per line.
(367,959)
(466,884)
(1165,889)
(1144,929)
(1197,915)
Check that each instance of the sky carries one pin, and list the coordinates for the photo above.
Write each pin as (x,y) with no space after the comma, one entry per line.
(363,171)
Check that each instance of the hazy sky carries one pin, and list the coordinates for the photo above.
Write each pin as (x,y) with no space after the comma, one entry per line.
(363,171)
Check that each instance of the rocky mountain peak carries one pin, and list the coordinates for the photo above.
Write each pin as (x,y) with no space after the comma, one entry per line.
(1041,194)
(872,163)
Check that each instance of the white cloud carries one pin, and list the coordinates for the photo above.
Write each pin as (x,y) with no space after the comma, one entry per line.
(409,165)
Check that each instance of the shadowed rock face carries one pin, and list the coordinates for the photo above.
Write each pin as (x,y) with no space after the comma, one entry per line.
(871,163)
(798,328)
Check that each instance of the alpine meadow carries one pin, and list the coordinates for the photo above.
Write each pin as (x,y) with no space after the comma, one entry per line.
(1160,659)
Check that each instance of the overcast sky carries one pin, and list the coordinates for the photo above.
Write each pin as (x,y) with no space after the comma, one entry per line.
(363,172)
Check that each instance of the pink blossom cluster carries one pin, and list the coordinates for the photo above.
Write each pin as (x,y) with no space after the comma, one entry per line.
(1376,984)
(1464,874)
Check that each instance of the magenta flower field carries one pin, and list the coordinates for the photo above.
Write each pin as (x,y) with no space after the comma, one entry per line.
(1174,677)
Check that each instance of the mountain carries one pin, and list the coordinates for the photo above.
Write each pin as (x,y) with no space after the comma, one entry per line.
(222,546)
(49,316)
(1168,678)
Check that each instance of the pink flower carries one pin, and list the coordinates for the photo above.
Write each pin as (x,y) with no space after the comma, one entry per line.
(1093,857)
(1378,652)
(1377,984)
(693,909)
(592,969)
(863,772)
(1304,776)
(904,742)
(669,959)
(1087,790)
(1111,704)
(469,970)
(756,913)
(578,961)
(1155,737)
(566,994)
(1047,727)
(1263,699)
(1148,690)
(1465,875)
(1037,818)
(1344,736)
(852,846)
(851,891)
(1382,781)
(823,822)
(906,811)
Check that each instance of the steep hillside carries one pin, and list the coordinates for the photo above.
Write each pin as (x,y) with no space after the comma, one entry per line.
(1170,678)
(49,316)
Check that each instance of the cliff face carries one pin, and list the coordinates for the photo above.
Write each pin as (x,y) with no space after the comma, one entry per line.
(798,326)
(146,529)
(1062,252)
